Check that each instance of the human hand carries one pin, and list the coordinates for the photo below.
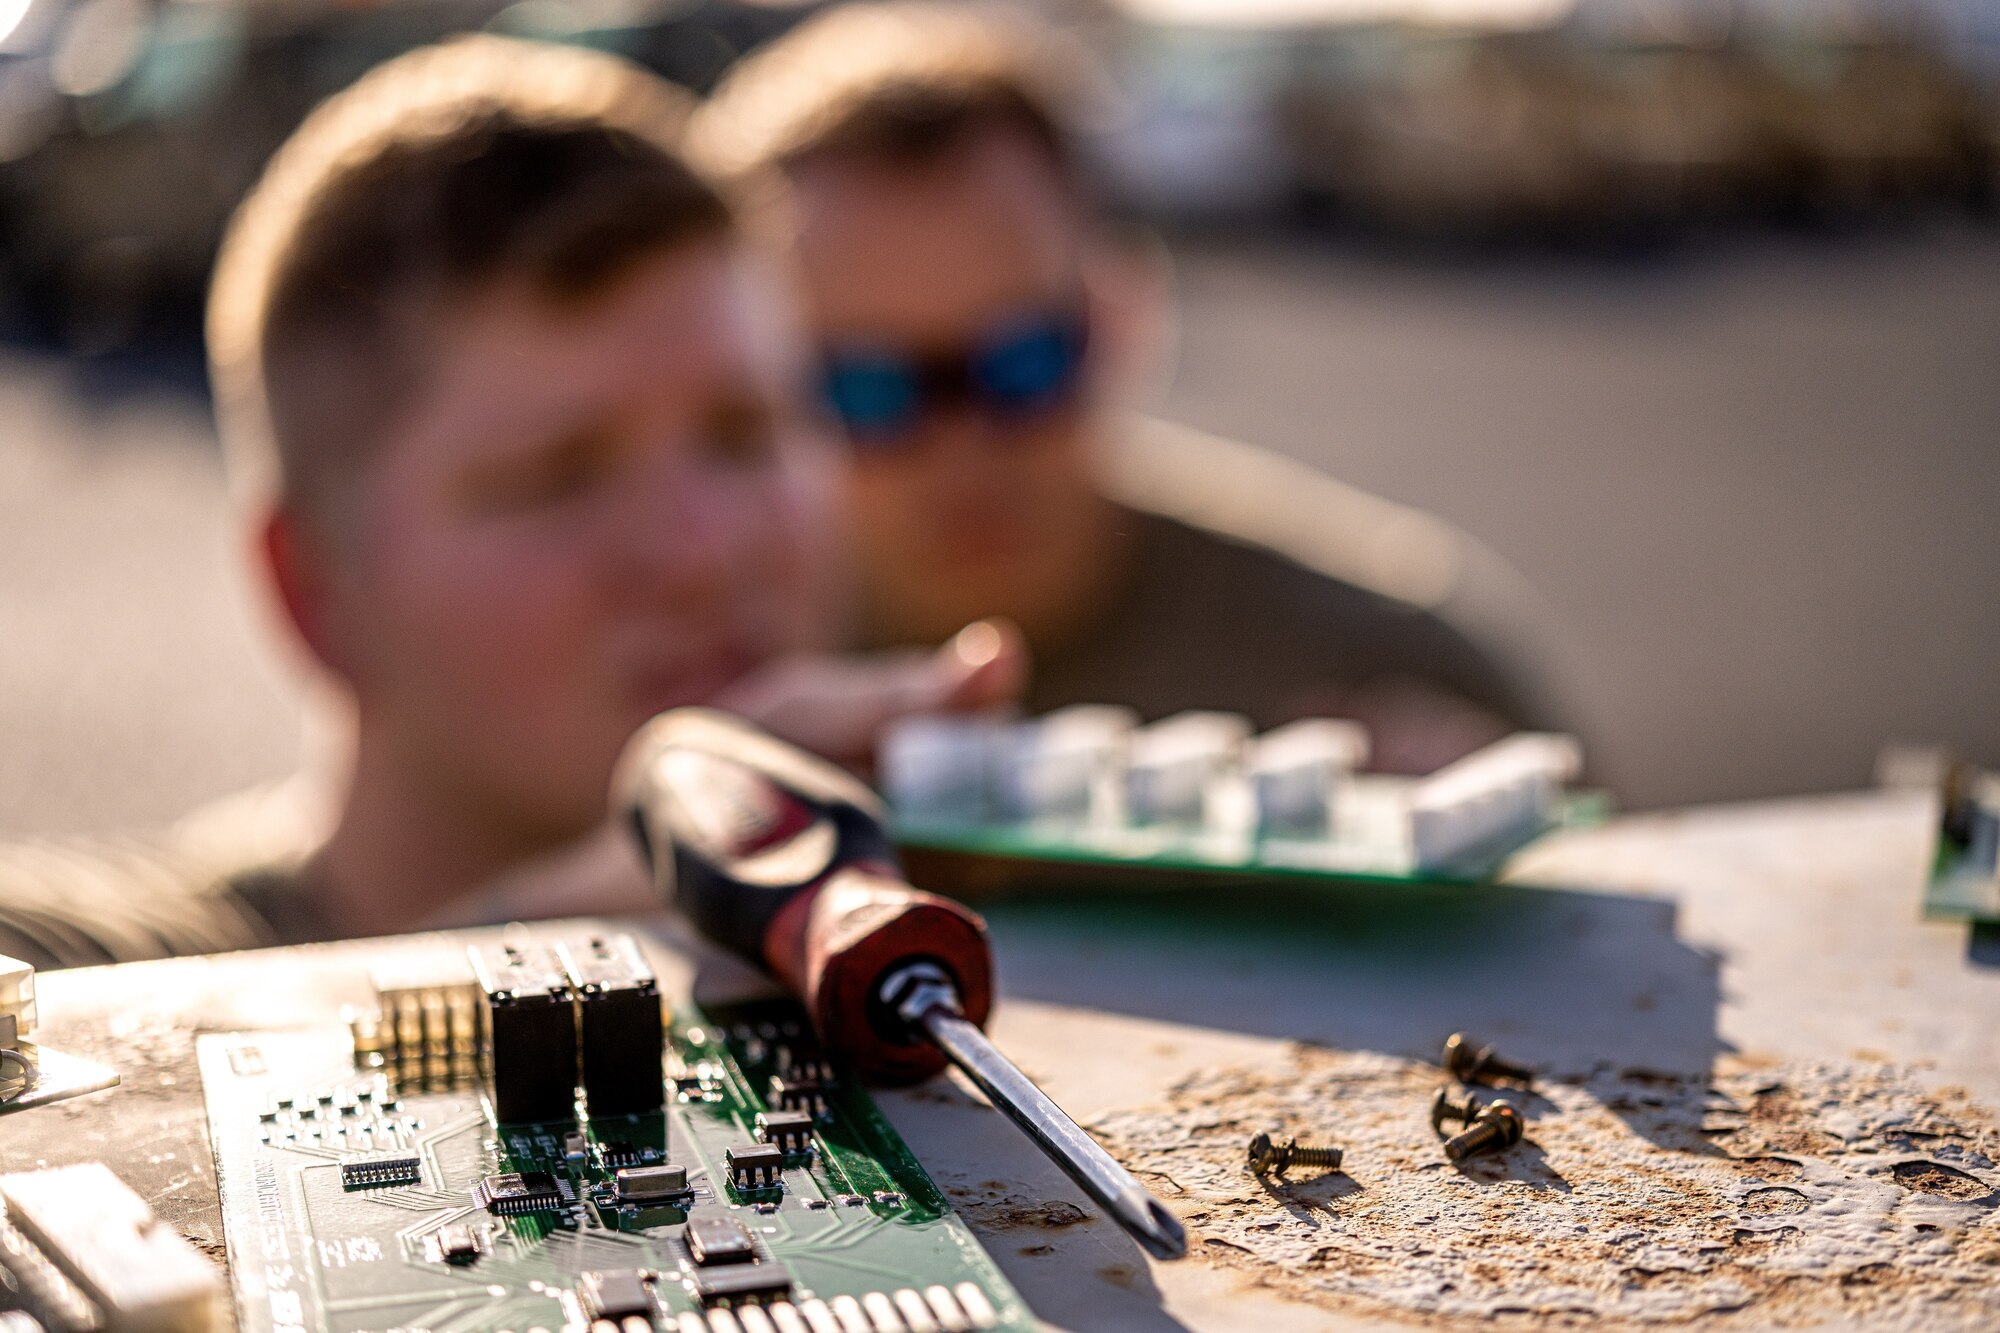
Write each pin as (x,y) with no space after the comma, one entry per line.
(838,704)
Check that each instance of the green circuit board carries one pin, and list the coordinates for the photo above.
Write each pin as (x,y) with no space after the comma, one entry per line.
(1964,879)
(1962,887)
(1368,844)
(859,1236)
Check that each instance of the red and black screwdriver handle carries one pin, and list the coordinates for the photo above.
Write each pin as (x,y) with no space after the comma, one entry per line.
(783,858)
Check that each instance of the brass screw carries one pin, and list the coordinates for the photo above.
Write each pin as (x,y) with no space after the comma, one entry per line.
(1498,1125)
(1470,1064)
(1267,1157)
(1443,1108)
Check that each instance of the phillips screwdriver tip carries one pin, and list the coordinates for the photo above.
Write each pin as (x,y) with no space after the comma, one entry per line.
(1157,1230)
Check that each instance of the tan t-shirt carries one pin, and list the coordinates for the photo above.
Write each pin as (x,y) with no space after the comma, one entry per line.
(228,876)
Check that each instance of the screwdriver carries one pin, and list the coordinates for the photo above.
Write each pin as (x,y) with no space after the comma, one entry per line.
(784,859)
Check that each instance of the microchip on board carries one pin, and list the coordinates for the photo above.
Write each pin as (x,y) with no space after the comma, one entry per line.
(713,1239)
(512,1193)
(377,1170)
(616,1295)
(758,1166)
(787,1131)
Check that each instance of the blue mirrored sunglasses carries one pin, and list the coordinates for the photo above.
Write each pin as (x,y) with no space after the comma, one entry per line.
(1023,365)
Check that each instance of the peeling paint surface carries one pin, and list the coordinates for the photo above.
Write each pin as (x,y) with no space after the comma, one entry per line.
(1762,1194)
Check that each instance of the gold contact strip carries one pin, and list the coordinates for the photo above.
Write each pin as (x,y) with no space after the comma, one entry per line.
(819,1317)
(937,1309)
(915,1313)
(853,1319)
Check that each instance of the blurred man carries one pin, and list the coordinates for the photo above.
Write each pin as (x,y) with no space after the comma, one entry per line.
(975,321)
(517,419)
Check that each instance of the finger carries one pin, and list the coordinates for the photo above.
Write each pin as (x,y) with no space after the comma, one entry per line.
(984,665)
(838,706)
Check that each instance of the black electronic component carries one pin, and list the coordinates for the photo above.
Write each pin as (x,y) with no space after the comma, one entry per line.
(376,1170)
(615,1153)
(793,1093)
(759,1166)
(805,1064)
(531,1028)
(616,1296)
(455,1244)
(515,1192)
(719,1239)
(651,1184)
(750,1282)
(787,1131)
(622,1032)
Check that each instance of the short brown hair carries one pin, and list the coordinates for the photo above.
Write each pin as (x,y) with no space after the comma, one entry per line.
(441,171)
(903,83)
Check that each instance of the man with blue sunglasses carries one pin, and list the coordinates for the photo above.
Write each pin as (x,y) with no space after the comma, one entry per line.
(975,324)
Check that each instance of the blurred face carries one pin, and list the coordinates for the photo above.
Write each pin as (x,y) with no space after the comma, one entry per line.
(970,503)
(593,513)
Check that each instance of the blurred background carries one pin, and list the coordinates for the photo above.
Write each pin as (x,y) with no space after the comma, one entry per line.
(1688,308)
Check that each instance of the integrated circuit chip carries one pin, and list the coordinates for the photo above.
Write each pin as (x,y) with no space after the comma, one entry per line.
(792,1092)
(719,1239)
(787,1131)
(749,1282)
(376,1170)
(512,1193)
(804,1064)
(614,1153)
(615,1295)
(758,1166)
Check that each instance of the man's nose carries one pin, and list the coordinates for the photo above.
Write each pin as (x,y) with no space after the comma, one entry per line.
(672,532)
(963,435)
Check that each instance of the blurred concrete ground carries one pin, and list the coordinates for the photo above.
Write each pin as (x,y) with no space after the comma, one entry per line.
(1757,481)
(135,679)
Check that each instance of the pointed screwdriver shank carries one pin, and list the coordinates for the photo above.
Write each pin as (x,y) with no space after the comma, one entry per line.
(784,859)
(922,995)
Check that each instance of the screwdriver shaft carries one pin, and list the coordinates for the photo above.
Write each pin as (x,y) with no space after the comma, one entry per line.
(1114,1188)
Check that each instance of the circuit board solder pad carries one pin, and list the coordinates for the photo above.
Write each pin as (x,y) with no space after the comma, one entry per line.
(531,1228)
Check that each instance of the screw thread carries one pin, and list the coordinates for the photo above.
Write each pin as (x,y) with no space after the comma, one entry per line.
(1469,1063)
(1303,1154)
(1481,1136)
(1493,1066)
(1267,1156)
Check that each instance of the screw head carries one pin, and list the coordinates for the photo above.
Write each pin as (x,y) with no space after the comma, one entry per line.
(1460,1057)
(1497,1126)
(1443,1108)
(1501,1114)
(1264,1155)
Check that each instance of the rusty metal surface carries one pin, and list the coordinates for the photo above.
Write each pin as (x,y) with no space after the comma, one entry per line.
(1760,1194)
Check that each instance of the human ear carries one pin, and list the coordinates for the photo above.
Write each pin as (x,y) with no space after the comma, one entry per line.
(1128,281)
(298,568)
